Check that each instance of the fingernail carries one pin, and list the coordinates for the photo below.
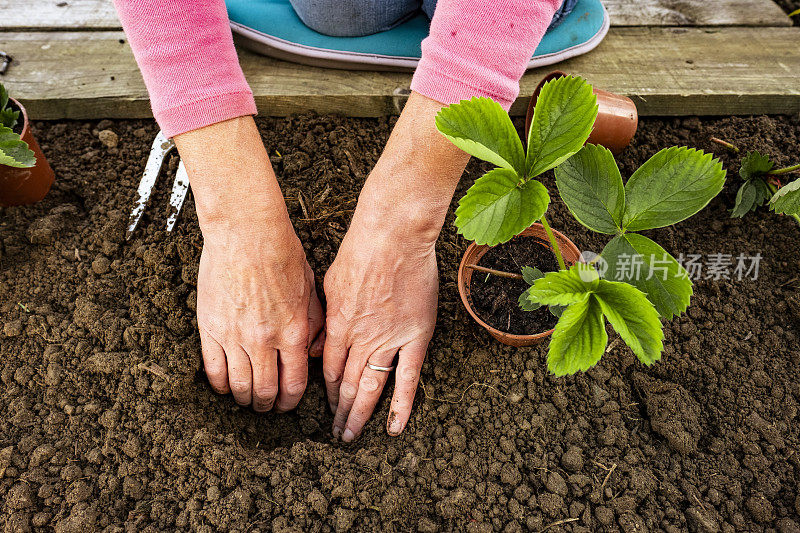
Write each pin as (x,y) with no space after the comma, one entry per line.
(337,431)
(348,436)
(394,427)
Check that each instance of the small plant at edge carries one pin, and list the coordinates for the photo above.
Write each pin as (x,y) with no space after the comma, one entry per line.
(14,152)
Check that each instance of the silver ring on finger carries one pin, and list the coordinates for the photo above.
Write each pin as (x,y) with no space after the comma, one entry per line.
(380,368)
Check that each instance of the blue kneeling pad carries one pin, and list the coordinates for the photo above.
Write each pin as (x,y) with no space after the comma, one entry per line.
(272,28)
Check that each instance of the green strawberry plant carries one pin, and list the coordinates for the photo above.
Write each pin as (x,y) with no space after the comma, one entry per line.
(14,152)
(673,185)
(762,186)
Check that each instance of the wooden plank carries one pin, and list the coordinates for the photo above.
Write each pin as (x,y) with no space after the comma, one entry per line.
(70,15)
(667,71)
(696,13)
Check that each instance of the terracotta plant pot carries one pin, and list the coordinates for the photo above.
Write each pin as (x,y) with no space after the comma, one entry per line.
(21,186)
(617,117)
(473,255)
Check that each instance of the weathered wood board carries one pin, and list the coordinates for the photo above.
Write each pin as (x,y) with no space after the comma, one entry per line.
(70,15)
(696,13)
(667,71)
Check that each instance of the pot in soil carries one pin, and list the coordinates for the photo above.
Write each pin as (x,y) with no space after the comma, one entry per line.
(536,240)
(617,117)
(21,185)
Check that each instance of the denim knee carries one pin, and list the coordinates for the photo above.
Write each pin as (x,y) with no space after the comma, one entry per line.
(354,18)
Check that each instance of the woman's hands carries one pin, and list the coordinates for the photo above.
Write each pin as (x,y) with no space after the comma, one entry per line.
(382,288)
(257,308)
(258,312)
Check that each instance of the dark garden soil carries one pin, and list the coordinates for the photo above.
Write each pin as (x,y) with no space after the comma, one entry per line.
(107,423)
(496,298)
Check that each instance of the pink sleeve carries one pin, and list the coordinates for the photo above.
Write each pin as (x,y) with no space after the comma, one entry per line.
(480,48)
(185,51)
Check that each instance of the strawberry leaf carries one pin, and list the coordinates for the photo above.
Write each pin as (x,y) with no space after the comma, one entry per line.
(579,338)
(562,121)
(590,184)
(483,129)
(564,287)
(639,261)
(671,186)
(754,164)
(498,206)
(787,199)
(752,194)
(14,152)
(634,317)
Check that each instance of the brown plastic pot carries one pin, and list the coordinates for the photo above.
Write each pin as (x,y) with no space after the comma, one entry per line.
(617,117)
(21,186)
(473,255)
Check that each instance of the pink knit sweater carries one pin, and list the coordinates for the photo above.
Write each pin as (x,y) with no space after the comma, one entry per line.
(185,51)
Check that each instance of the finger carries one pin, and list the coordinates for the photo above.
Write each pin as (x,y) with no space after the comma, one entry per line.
(293,376)
(348,390)
(406,378)
(316,326)
(370,387)
(240,374)
(265,378)
(215,363)
(334,358)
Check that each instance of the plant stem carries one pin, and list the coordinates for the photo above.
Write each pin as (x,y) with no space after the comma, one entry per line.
(495,272)
(554,244)
(774,189)
(726,144)
(784,170)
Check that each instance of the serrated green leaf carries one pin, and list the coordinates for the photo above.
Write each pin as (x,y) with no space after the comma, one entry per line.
(8,117)
(497,207)
(525,303)
(14,152)
(562,121)
(752,194)
(3,96)
(564,287)
(634,317)
(639,261)
(531,274)
(579,338)
(754,164)
(482,128)
(590,184)
(556,310)
(671,186)
(787,199)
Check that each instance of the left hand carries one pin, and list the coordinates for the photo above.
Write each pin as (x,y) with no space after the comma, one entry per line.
(382,289)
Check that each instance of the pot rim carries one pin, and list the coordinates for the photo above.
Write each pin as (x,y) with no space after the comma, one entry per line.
(480,250)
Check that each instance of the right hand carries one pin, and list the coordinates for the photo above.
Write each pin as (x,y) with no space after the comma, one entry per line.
(257,307)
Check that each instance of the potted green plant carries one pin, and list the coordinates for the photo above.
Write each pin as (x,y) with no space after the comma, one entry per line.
(25,175)
(671,186)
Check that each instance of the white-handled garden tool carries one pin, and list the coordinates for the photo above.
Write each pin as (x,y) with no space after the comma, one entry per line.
(180,187)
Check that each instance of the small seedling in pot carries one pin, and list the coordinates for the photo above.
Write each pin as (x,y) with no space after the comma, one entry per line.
(673,185)
(762,185)
(14,152)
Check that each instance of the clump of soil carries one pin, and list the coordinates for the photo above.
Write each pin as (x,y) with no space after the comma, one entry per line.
(107,421)
(496,299)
